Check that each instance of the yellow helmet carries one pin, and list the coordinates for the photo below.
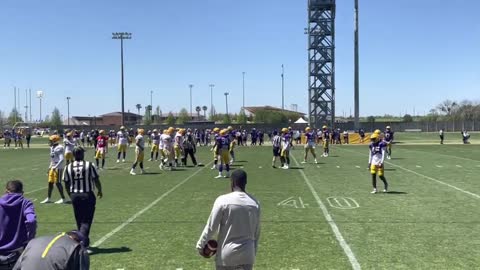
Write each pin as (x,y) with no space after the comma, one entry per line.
(141,131)
(216,130)
(70,134)
(324,127)
(374,137)
(102,132)
(307,129)
(284,130)
(54,138)
(155,130)
(122,128)
(388,127)
(230,128)
(377,131)
(223,132)
(182,131)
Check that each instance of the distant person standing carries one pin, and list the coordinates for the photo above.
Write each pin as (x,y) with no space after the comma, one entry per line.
(55,168)
(139,152)
(276,143)
(28,137)
(441,134)
(361,132)
(465,137)
(235,222)
(80,179)
(190,148)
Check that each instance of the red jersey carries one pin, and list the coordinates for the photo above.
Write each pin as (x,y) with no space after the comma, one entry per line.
(102,141)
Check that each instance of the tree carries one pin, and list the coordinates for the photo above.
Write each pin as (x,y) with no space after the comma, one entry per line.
(212,113)
(198,109)
(147,119)
(170,119)
(226,119)
(407,118)
(270,117)
(14,117)
(138,106)
(56,119)
(183,116)
(205,108)
(242,117)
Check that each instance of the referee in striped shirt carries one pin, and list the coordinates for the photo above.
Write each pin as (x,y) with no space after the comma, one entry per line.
(81,178)
(276,143)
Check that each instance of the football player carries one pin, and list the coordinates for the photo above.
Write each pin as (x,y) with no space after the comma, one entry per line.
(122,141)
(286,146)
(326,141)
(56,166)
(231,137)
(166,141)
(178,145)
(215,147)
(376,158)
(310,146)
(7,139)
(131,136)
(155,138)
(139,151)
(388,137)
(223,148)
(102,148)
(69,144)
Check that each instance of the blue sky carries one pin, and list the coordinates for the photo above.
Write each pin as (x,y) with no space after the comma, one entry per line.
(413,54)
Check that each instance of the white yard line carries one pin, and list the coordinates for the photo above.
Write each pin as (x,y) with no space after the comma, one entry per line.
(427,177)
(435,180)
(346,248)
(139,213)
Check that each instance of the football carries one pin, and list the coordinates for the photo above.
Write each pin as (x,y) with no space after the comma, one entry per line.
(210,248)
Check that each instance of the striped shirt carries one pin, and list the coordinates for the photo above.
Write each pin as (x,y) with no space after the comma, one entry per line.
(80,175)
(277,141)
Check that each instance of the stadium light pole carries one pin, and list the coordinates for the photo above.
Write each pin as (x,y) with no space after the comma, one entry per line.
(68,111)
(40,96)
(211,98)
(356,72)
(283,88)
(30,101)
(26,106)
(122,36)
(226,102)
(243,86)
(151,98)
(190,86)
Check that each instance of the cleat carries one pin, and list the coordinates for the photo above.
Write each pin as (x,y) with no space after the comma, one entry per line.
(47,200)
(303,162)
(213,167)
(132,172)
(374,191)
(61,201)
(160,166)
(316,162)
(385,191)
(388,157)
(118,160)
(149,159)
(218,176)
(142,171)
(123,160)
(285,167)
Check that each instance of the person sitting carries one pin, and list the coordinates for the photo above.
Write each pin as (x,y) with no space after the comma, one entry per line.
(18,223)
(465,137)
(63,251)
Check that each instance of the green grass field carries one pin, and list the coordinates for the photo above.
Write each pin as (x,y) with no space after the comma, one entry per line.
(313,216)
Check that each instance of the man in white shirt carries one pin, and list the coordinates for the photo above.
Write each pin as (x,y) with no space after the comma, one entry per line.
(55,169)
(122,140)
(235,221)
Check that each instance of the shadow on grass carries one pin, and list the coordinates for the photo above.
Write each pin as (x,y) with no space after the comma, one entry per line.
(97,250)
(296,168)
(397,158)
(397,192)
(241,161)
(389,170)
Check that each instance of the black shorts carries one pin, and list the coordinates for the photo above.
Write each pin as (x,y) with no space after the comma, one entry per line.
(276,151)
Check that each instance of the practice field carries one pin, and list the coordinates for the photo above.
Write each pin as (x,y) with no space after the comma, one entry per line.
(313,216)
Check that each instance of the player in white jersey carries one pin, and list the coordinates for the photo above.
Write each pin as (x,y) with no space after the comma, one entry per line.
(178,145)
(155,138)
(167,153)
(139,151)
(122,142)
(55,169)
(69,143)
(376,159)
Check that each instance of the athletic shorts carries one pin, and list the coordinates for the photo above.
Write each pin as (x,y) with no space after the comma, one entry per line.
(155,148)
(375,169)
(225,156)
(276,151)
(139,155)
(122,148)
(53,176)
(100,154)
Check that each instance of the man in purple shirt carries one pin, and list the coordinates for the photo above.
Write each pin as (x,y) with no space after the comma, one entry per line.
(18,223)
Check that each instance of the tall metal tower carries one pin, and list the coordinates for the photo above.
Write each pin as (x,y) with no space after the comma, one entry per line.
(321,62)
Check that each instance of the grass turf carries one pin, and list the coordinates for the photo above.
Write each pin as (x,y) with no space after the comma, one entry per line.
(429,221)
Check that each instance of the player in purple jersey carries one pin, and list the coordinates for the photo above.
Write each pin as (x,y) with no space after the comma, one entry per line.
(388,138)
(376,159)
(223,146)
(310,145)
